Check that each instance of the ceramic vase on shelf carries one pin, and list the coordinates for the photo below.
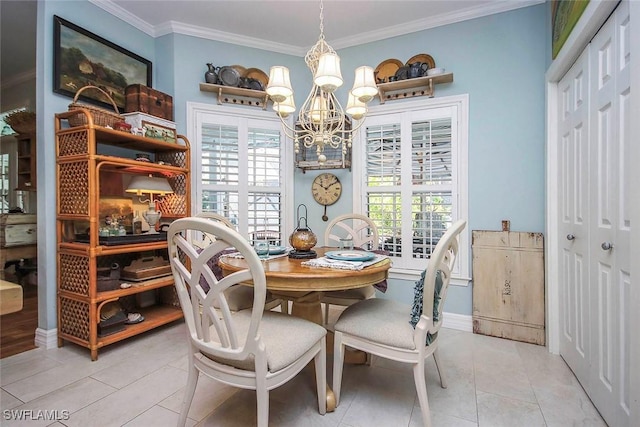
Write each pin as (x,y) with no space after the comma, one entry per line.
(152,216)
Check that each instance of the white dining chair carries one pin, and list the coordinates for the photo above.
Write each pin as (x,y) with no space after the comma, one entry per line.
(363,234)
(239,297)
(400,332)
(251,349)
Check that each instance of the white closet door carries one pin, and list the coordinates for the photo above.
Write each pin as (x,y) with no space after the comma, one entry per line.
(573,201)
(610,224)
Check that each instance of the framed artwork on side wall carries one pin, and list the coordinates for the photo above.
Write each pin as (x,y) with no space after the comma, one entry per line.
(82,58)
(564,16)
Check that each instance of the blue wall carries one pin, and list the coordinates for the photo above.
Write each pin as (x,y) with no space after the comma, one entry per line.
(499,60)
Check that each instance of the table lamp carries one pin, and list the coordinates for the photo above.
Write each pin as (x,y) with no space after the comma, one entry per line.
(153,185)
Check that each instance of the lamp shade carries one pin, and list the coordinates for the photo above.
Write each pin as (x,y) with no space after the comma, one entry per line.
(285,107)
(355,107)
(328,75)
(149,184)
(364,86)
(318,110)
(279,86)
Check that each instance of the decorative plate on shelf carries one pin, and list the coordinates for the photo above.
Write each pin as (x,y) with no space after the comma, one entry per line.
(386,69)
(257,74)
(351,255)
(229,76)
(422,58)
(240,69)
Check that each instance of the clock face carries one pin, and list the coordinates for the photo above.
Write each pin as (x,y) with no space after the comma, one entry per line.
(326,189)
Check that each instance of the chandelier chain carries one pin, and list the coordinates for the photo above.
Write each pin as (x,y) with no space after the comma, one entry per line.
(321,20)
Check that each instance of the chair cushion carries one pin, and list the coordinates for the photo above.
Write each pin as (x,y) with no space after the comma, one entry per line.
(276,332)
(380,320)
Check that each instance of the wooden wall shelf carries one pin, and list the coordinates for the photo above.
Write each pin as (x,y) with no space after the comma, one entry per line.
(420,86)
(237,95)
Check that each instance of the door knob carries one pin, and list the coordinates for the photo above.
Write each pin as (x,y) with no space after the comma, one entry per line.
(570,237)
(606,246)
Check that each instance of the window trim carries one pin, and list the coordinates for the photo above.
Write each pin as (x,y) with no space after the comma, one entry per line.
(195,113)
(462,276)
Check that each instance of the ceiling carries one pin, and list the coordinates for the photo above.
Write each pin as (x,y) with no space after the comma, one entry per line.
(285,26)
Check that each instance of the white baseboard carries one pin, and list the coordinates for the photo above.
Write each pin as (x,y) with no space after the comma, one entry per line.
(460,322)
(46,338)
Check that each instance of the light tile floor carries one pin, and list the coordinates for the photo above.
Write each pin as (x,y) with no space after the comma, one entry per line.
(139,383)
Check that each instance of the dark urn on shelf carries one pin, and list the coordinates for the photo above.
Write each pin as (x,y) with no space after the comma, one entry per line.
(418,69)
(302,239)
(211,76)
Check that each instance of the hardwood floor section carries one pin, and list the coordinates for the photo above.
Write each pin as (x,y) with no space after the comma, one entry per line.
(18,330)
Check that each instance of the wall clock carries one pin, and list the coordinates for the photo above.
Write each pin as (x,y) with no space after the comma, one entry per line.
(326,190)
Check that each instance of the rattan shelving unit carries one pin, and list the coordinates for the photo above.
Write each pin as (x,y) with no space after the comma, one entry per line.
(82,154)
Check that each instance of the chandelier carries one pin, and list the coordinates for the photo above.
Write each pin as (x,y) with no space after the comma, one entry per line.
(322,120)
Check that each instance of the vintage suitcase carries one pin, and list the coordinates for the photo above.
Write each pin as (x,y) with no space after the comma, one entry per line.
(18,229)
(148,100)
(147,268)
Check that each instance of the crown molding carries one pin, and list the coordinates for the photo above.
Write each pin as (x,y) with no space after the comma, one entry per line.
(363,38)
(17,79)
(221,36)
(117,11)
(433,22)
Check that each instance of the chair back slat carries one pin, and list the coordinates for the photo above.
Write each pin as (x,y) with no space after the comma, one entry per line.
(442,260)
(362,230)
(214,331)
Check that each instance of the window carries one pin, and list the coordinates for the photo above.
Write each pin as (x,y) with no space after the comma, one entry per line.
(241,169)
(412,165)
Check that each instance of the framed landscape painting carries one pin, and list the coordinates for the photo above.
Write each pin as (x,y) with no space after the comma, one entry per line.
(82,58)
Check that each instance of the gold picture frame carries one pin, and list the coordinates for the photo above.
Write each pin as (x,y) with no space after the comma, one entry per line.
(122,207)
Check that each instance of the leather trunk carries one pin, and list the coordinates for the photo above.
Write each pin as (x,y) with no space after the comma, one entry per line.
(140,98)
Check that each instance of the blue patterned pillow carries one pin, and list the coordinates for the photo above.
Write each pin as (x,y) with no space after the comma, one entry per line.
(416,310)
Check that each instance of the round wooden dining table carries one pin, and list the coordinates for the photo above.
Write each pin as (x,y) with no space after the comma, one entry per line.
(303,285)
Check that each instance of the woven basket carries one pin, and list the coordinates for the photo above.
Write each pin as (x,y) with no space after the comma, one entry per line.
(101,116)
(23,122)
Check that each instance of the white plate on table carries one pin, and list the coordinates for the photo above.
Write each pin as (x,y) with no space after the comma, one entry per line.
(350,255)
(276,250)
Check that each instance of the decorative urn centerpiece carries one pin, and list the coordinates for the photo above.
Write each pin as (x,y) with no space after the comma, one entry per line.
(302,239)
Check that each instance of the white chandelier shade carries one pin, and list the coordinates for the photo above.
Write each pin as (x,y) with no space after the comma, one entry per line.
(285,107)
(279,87)
(328,75)
(364,87)
(356,108)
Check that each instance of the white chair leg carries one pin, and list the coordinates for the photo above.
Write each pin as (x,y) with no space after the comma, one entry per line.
(440,368)
(421,388)
(338,362)
(189,391)
(262,396)
(321,376)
